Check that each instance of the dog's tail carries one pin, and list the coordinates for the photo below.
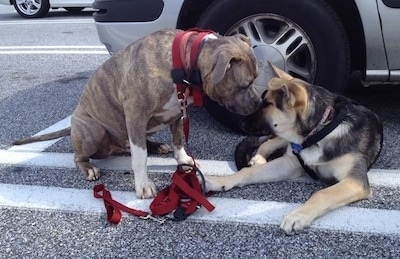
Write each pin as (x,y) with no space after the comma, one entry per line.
(49,136)
(245,150)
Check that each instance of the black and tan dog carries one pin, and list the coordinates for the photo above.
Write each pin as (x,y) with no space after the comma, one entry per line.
(336,140)
(133,95)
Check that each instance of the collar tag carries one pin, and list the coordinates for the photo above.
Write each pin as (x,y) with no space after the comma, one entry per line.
(296,148)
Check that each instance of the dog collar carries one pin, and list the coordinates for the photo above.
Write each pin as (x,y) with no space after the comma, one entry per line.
(188,75)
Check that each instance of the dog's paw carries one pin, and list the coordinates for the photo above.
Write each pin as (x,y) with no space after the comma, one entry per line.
(257,160)
(158,148)
(295,222)
(93,174)
(146,190)
(216,184)
(90,172)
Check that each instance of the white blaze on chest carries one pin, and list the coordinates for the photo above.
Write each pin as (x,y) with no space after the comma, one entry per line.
(170,110)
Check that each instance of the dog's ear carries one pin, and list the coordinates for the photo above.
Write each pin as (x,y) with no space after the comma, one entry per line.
(285,88)
(279,72)
(221,62)
(244,38)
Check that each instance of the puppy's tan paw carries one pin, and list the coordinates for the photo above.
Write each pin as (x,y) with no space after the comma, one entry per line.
(216,184)
(257,159)
(146,190)
(295,222)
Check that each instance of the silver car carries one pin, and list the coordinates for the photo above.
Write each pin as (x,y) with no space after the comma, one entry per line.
(321,41)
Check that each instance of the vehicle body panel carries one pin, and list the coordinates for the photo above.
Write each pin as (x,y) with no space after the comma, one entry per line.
(116,36)
(379,21)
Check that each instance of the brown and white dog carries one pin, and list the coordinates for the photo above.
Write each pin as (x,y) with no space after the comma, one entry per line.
(293,113)
(133,95)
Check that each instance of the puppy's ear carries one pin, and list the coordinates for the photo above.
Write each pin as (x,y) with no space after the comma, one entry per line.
(221,62)
(279,72)
(285,88)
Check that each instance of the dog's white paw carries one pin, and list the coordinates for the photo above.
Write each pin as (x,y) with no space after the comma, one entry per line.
(257,159)
(295,222)
(146,190)
(216,184)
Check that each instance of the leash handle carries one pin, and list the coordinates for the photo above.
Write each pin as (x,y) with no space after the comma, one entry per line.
(113,207)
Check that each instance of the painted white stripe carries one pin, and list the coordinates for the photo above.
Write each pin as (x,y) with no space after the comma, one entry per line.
(227,210)
(75,52)
(32,22)
(378,177)
(40,146)
(51,47)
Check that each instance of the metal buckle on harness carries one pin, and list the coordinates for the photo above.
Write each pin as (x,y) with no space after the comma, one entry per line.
(156,219)
(183,104)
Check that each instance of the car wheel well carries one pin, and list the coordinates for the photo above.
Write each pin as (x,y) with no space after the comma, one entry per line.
(191,12)
(351,20)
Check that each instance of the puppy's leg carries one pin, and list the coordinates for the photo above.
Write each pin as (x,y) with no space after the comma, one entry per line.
(344,192)
(282,168)
(180,154)
(266,149)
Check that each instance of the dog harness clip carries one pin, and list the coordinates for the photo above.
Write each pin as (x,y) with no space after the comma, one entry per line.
(319,135)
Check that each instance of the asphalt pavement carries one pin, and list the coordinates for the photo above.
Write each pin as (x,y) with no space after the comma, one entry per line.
(47,209)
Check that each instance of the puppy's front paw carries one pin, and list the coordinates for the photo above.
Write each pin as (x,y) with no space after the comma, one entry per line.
(257,159)
(145,190)
(216,183)
(295,222)
(90,172)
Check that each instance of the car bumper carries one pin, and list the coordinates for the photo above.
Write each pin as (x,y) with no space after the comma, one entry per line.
(121,22)
(6,2)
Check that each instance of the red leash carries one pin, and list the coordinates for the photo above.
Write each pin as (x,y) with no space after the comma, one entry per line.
(185,195)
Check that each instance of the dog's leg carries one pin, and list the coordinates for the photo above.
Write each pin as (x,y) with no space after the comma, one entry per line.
(136,128)
(344,192)
(145,188)
(282,168)
(89,140)
(180,154)
(266,149)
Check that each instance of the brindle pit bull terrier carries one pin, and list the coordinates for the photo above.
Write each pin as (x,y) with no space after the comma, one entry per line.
(132,95)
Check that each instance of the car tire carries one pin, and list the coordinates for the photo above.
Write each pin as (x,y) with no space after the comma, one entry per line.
(31,8)
(311,28)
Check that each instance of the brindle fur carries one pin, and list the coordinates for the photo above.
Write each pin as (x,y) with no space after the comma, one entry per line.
(132,95)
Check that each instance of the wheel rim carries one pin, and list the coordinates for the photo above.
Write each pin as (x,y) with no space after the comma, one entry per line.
(280,41)
(29,7)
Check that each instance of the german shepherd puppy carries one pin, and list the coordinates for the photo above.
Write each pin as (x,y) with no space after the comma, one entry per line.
(328,135)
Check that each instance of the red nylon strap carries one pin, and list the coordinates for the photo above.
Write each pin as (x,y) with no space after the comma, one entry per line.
(184,185)
(113,207)
(179,59)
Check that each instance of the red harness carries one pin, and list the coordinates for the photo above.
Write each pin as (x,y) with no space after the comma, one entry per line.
(185,195)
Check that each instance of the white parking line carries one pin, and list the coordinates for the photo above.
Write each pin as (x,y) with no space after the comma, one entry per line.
(377,177)
(227,210)
(18,50)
